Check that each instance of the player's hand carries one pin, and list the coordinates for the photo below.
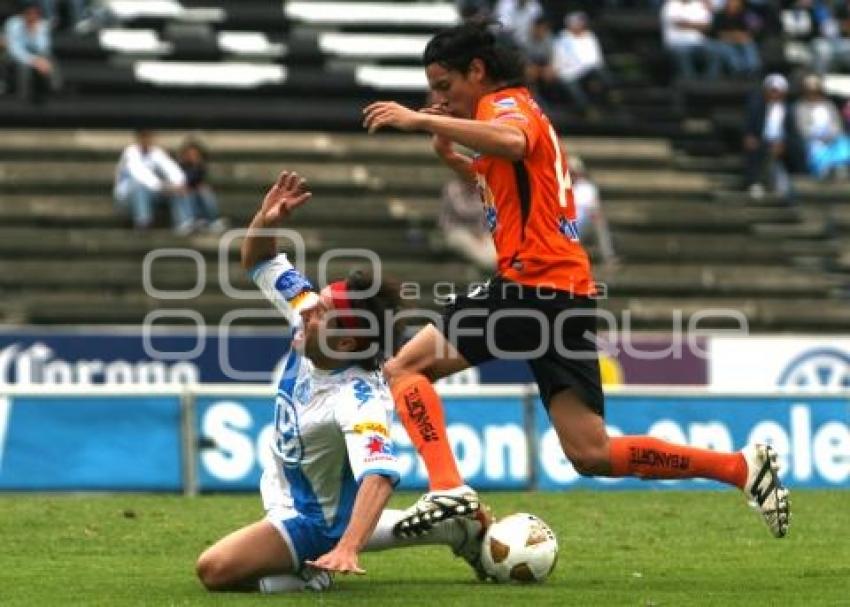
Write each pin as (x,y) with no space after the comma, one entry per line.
(339,560)
(389,113)
(288,193)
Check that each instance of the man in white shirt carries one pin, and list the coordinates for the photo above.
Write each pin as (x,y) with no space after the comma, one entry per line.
(333,461)
(685,25)
(578,61)
(146,176)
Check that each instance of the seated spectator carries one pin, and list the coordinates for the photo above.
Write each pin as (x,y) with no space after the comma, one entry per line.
(589,211)
(579,64)
(822,130)
(833,49)
(539,73)
(75,12)
(193,160)
(147,176)
(518,17)
(463,224)
(771,142)
(28,42)
(474,10)
(807,25)
(735,29)
(684,27)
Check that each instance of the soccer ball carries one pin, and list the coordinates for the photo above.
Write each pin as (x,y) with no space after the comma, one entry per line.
(519,548)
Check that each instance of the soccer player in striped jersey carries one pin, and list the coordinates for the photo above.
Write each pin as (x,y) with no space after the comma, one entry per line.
(333,462)
(542,295)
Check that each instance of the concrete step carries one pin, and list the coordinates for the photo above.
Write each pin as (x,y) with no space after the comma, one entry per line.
(57,243)
(639,313)
(289,145)
(252,179)
(726,249)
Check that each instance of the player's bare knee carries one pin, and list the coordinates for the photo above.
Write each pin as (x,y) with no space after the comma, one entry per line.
(213,571)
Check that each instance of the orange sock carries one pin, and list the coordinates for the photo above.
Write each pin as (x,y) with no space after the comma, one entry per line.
(649,457)
(420,410)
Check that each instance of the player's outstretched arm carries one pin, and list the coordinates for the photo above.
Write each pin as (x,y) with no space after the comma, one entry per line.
(287,193)
(372,498)
(490,138)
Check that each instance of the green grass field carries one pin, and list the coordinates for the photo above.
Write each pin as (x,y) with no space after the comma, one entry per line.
(619,548)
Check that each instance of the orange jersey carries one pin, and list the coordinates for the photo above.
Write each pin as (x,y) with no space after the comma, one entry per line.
(529,204)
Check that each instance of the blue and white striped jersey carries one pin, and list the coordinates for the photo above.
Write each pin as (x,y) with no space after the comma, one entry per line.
(331,427)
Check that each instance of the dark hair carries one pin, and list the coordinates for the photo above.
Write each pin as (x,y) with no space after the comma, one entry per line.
(456,47)
(194,143)
(382,306)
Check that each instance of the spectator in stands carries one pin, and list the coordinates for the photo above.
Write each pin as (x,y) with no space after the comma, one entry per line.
(771,140)
(192,158)
(147,176)
(735,29)
(518,16)
(833,49)
(685,25)
(463,224)
(28,42)
(474,10)
(822,130)
(75,9)
(589,211)
(539,72)
(579,63)
(808,25)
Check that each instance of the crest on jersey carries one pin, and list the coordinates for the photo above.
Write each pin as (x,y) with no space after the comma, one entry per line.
(507,103)
(378,449)
(379,445)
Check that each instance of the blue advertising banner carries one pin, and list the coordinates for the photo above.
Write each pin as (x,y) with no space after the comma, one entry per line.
(487,435)
(494,451)
(115,443)
(810,434)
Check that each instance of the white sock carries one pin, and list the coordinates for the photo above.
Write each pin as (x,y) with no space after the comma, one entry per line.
(274,584)
(308,579)
(447,533)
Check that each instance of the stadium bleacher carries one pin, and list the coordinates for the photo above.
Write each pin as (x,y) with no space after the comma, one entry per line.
(681,233)
(269,81)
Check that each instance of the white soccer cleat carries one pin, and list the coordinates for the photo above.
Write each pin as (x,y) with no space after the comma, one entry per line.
(474,529)
(436,506)
(764,488)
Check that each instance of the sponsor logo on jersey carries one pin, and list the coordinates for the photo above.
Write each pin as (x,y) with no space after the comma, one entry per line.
(491,217)
(303,392)
(568,227)
(507,102)
(362,391)
(371,427)
(292,283)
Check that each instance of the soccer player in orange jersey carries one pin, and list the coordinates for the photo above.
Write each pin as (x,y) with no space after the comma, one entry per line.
(540,304)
